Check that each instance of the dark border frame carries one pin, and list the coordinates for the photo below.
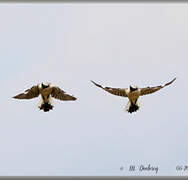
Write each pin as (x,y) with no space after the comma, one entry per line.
(90,2)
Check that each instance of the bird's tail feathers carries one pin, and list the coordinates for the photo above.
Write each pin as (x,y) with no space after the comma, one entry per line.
(45,106)
(132,107)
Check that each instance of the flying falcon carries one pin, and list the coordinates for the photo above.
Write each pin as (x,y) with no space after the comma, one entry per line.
(47,91)
(133,93)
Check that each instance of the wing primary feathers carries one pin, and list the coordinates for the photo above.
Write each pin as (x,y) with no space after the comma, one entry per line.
(170,82)
(114,91)
(29,93)
(98,85)
(61,95)
(149,90)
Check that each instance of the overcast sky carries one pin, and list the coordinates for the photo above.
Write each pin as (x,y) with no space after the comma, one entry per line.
(115,45)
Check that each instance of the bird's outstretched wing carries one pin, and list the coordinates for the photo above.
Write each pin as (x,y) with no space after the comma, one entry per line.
(29,93)
(115,91)
(149,90)
(61,95)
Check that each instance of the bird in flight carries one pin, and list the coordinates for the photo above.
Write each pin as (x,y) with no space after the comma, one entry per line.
(133,93)
(47,91)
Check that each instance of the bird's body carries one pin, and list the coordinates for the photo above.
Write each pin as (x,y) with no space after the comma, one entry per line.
(133,93)
(133,104)
(47,91)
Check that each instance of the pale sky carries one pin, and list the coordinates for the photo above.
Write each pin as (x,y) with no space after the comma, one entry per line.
(115,45)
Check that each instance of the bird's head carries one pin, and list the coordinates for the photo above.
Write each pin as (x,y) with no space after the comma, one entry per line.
(133,88)
(45,85)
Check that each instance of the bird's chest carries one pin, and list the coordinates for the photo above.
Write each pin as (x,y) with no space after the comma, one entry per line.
(133,96)
(45,92)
